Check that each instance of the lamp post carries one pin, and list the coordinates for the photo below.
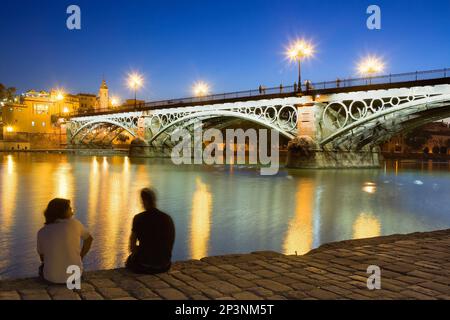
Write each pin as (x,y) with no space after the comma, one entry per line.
(200,89)
(135,82)
(370,66)
(297,51)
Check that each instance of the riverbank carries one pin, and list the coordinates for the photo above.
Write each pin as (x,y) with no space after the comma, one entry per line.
(413,266)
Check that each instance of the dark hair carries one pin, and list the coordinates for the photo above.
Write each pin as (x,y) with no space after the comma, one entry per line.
(56,209)
(148,197)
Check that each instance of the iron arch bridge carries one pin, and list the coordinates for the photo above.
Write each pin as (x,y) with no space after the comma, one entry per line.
(156,126)
(347,121)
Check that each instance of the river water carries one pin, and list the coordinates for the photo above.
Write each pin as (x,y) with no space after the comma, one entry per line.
(216,209)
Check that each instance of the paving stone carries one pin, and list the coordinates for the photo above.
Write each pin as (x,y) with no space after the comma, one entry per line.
(91,295)
(152,284)
(246,295)
(113,293)
(9,295)
(266,273)
(103,283)
(171,294)
(142,293)
(211,293)
(241,283)
(436,286)
(322,294)
(224,287)
(272,285)
(262,292)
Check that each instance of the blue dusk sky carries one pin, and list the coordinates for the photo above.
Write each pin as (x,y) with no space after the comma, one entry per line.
(233,45)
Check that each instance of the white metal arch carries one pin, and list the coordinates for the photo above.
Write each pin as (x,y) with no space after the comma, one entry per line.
(221,113)
(408,107)
(100,121)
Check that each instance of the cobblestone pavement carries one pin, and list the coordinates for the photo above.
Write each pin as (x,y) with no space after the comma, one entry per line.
(414,266)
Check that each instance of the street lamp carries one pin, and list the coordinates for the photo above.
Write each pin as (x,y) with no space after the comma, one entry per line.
(135,81)
(9,129)
(115,101)
(300,49)
(200,89)
(370,66)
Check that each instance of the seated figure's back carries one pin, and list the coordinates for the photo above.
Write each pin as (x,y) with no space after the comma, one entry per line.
(155,232)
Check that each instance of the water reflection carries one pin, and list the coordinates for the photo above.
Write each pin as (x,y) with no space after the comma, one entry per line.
(200,220)
(369,187)
(366,226)
(299,237)
(9,195)
(291,212)
(63,181)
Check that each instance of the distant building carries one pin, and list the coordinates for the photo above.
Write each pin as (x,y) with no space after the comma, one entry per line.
(88,102)
(32,112)
(103,96)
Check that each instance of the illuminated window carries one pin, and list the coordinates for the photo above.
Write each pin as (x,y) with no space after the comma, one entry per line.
(33,123)
(43,124)
(41,109)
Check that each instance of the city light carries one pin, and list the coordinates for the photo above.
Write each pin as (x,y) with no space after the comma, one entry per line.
(370,66)
(59,95)
(300,49)
(135,81)
(66,110)
(200,89)
(115,101)
(9,129)
(296,52)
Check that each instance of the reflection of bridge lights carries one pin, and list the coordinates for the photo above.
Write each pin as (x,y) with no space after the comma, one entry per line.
(366,226)
(200,89)
(370,66)
(105,163)
(369,187)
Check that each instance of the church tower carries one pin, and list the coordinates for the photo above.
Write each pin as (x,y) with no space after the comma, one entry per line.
(103,96)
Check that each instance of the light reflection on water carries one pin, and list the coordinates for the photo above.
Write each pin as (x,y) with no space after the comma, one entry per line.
(216,209)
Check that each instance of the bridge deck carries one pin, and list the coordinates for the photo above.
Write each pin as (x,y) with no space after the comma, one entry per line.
(405,80)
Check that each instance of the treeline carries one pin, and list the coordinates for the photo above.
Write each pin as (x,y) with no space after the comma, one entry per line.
(7,92)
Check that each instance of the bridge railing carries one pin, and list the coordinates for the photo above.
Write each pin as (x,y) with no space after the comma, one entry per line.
(263,91)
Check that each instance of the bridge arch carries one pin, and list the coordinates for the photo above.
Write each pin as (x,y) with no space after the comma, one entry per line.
(391,121)
(210,114)
(101,121)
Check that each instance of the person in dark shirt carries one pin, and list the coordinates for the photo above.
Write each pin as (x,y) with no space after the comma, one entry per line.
(155,232)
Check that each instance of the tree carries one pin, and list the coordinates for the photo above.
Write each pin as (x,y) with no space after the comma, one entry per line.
(2,91)
(10,93)
(7,93)
(417,138)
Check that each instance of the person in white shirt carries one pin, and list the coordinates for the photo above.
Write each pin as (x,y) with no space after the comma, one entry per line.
(58,242)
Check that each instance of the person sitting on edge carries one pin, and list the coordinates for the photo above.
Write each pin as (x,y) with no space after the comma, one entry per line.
(155,232)
(58,242)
